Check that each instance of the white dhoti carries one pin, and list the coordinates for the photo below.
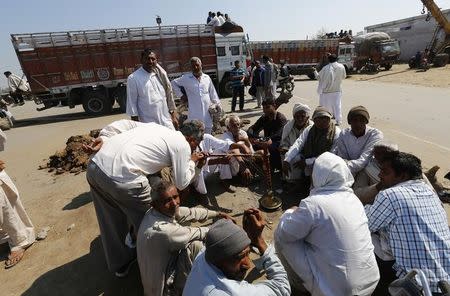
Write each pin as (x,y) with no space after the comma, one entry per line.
(332,102)
(226,172)
(15,225)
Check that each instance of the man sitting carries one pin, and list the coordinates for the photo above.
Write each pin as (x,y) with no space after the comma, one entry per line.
(221,268)
(411,214)
(325,243)
(291,131)
(314,140)
(356,142)
(272,122)
(166,244)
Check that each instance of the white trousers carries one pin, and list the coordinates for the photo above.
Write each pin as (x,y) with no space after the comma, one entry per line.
(332,102)
(15,225)
(226,172)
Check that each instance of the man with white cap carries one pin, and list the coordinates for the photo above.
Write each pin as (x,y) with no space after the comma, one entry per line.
(167,244)
(291,131)
(221,268)
(325,243)
(316,139)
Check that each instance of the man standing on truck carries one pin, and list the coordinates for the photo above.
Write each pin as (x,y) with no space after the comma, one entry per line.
(149,93)
(200,92)
(17,86)
(329,89)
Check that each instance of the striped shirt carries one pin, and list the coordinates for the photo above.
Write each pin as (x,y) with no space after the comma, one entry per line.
(237,73)
(416,223)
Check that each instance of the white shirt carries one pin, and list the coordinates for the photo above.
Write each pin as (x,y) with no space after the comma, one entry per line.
(15,82)
(214,22)
(133,150)
(146,98)
(326,239)
(161,238)
(207,280)
(229,137)
(201,94)
(358,151)
(221,20)
(330,78)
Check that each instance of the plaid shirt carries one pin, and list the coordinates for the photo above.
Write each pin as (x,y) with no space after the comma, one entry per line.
(416,223)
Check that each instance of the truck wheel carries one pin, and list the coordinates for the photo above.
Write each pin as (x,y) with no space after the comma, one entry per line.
(311,76)
(96,103)
(289,87)
(387,67)
(225,88)
(440,60)
(121,97)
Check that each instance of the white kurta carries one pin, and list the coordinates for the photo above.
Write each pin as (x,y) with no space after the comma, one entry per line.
(146,98)
(358,151)
(132,150)
(201,95)
(207,280)
(229,137)
(15,225)
(15,82)
(329,89)
(326,240)
(160,240)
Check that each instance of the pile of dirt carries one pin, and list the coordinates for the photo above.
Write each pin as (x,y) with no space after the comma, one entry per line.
(72,159)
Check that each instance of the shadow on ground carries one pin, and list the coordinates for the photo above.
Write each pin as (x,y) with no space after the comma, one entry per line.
(79,201)
(87,275)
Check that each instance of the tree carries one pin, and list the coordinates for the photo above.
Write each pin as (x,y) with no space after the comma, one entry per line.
(321,33)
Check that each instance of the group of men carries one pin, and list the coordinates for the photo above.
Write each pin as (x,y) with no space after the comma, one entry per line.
(217,19)
(369,217)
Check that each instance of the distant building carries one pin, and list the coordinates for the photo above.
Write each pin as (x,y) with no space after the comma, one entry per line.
(413,33)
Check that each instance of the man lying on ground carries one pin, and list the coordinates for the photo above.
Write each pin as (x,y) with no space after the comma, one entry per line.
(325,243)
(221,268)
(166,243)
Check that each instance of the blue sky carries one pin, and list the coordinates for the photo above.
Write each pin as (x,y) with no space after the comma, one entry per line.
(262,20)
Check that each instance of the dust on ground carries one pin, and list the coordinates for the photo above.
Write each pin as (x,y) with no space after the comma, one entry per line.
(401,73)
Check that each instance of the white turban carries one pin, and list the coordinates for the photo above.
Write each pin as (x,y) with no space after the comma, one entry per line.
(301,107)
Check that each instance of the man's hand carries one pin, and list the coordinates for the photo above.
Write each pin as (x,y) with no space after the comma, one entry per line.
(226,216)
(174,117)
(253,223)
(94,147)
(199,158)
(300,164)
(247,176)
(2,165)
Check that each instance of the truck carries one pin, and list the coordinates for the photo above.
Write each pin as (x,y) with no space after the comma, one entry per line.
(91,67)
(303,57)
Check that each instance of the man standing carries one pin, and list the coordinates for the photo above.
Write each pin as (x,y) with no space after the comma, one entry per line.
(257,81)
(149,93)
(270,78)
(415,223)
(221,268)
(200,93)
(15,226)
(17,86)
(214,21)
(329,89)
(237,82)
(128,152)
(325,242)
(166,243)
(220,18)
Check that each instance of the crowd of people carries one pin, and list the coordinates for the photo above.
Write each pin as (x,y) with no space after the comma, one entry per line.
(369,216)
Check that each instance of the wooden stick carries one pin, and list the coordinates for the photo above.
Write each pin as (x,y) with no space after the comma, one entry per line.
(224,155)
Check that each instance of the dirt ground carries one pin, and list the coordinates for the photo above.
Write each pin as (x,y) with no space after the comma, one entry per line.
(70,260)
(401,73)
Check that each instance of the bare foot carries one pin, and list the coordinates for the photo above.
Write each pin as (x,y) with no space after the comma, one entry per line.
(14,257)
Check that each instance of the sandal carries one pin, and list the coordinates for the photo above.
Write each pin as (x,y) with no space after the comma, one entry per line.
(14,258)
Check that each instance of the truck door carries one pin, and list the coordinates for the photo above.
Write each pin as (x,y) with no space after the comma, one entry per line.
(346,54)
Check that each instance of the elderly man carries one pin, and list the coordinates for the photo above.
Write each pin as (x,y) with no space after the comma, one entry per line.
(329,89)
(291,131)
(415,223)
(149,93)
(325,243)
(128,152)
(221,268)
(315,139)
(356,142)
(17,86)
(272,122)
(166,243)
(200,92)
(16,228)
(235,134)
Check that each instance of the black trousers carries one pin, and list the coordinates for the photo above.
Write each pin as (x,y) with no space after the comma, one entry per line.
(387,276)
(238,91)
(17,97)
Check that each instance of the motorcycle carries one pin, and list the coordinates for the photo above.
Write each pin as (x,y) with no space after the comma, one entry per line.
(421,64)
(370,67)
(286,84)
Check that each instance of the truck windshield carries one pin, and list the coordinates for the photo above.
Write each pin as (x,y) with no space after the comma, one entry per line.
(390,48)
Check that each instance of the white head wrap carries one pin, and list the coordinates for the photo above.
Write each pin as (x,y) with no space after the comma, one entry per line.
(301,107)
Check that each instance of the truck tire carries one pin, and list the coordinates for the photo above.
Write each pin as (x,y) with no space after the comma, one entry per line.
(120,96)
(96,103)
(440,60)
(225,88)
(387,67)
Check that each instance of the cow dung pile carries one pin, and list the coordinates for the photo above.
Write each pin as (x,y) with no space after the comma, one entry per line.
(71,159)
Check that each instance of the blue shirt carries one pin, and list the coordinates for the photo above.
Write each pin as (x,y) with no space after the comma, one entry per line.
(413,216)
(237,73)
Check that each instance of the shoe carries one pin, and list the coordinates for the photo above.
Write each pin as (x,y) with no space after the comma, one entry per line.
(124,270)
(21,103)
